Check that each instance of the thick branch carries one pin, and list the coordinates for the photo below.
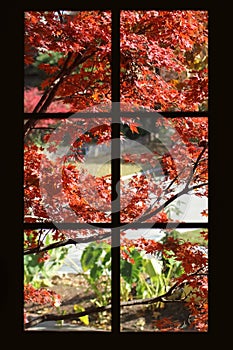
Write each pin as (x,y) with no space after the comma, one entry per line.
(49,94)
(58,76)
(91,310)
(32,121)
(71,316)
(80,58)
(37,250)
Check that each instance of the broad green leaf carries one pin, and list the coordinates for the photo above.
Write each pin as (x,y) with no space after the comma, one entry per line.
(131,271)
(150,268)
(96,272)
(90,256)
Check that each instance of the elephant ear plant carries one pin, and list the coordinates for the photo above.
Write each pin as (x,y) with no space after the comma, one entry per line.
(144,276)
(141,276)
(96,265)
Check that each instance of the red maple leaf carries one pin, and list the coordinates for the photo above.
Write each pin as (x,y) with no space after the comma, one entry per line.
(133,127)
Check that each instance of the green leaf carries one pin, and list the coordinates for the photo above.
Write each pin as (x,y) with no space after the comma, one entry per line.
(107,259)
(96,272)
(150,268)
(130,272)
(90,256)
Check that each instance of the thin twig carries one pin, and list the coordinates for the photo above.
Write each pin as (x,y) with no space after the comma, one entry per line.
(170,200)
(195,166)
(165,191)
(184,191)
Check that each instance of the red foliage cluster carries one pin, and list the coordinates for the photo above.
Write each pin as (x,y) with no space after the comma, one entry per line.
(32,196)
(40,296)
(164,59)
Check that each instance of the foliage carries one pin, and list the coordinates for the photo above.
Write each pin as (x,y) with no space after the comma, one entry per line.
(41,296)
(164,59)
(84,319)
(191,280)
(91,50)
(164,67)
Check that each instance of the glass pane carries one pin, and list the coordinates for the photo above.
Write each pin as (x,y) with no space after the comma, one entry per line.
(67,171)
(67,272)
(164,60)
(164,280)
(164,171)
(67,60)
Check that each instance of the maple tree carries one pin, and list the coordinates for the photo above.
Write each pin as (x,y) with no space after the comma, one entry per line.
(163,68)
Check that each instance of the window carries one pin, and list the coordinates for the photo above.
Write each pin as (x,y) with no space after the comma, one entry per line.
(116,153)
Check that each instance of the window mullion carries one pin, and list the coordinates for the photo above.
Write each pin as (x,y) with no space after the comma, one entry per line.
(115,170)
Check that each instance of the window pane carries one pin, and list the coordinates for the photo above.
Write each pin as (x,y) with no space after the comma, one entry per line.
(67,60)
(164,171)
(164,280)
(67,272)
(164,59)
(67,171)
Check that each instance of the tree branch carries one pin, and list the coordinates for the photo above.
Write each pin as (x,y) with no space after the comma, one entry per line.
(37,250)
(170,200)
(49,94)
(91,310)
(165,191)
(184,191)
(56,80)
(32,121)
(80,58)
(73,316)
(195,166)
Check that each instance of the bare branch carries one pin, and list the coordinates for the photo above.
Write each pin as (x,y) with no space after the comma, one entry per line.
(170,200)
(184,191)
(73,316)
(195,165)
